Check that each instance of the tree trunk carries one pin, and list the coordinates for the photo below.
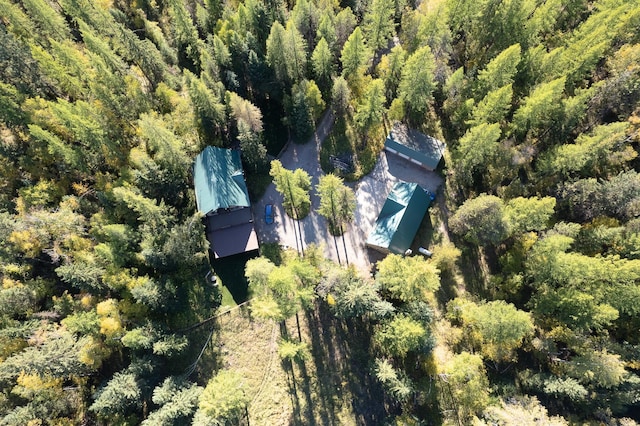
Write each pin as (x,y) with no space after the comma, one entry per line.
(335,241)
(344,244)
(298,325)
(300,234)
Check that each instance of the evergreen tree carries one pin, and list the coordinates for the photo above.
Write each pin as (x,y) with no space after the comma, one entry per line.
(276,51)
(354,54)
(378,23)
(493,108)
(294,187)
(322,64)
(390,70)
(417,83)
(295,53)
(478,148)
(370,110)
(481,220)
(340,96)
(185,34)
(50,23)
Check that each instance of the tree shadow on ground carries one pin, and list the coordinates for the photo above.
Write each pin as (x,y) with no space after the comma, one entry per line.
(473,270)
(448,288)
(302,413)
(300,382)
(342,359)
(210,360)
(425,234)
(230,270)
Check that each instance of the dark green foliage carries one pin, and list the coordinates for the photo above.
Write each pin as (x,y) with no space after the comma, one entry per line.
(177,402)
(301,116)
(616,197)
(104,105)
(340,96)
(56,357)
(17,301)
(118,396)
(481,220)
(19,68)
(350,296)
(378,23)
(10,100)
(417,83)
(83,276)
(210,114)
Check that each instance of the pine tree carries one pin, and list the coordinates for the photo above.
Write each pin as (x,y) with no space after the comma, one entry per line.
(322,64)
(417,83)
(378,23)
(354,55)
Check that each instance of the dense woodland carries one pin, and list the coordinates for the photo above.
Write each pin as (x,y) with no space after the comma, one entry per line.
(530,308)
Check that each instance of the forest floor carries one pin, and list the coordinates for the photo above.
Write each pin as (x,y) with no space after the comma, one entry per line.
(332,386)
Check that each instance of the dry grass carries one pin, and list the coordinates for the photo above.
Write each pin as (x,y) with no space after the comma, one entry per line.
(330,387)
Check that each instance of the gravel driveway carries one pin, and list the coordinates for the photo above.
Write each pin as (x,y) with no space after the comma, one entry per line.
(371,192)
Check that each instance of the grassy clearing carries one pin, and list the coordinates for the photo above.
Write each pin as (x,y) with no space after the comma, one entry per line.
(332,386)
(227,297)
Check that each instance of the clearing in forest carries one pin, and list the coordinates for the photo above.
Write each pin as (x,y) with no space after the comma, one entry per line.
(331,386)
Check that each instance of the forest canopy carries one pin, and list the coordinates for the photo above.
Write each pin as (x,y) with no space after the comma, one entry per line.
(529,307)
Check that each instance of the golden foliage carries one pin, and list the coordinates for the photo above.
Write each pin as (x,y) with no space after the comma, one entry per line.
(26,241)
(94,352)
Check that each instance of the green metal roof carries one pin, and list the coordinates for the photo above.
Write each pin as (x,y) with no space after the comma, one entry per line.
(399,218)
(415,145)
(218,180)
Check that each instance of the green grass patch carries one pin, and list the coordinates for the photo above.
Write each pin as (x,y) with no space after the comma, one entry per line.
(425,235)
(302,211)
(227,297)
(230,270)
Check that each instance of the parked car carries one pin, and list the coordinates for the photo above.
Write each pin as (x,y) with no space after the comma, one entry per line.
(268,214)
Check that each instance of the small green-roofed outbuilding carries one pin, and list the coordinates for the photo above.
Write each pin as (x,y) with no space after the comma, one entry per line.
(399,219)
(219,180)
(416,147)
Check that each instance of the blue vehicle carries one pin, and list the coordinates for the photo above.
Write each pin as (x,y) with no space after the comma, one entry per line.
(268,214)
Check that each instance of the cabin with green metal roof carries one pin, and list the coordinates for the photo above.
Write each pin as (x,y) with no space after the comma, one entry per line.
(222,196)
(219,180)
(414,146)
(399,219)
